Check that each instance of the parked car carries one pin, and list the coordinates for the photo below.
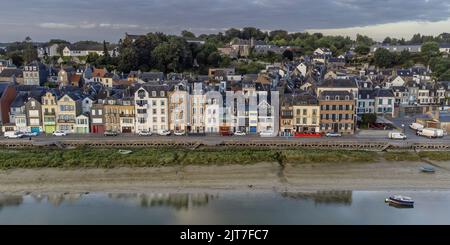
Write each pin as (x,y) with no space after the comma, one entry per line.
(30,134)
(59,133)
(13,135)
(397,136)
(110,133)
(144,133)
(267,134)
(164,133)
(179,133)
(240,133)
(332,134)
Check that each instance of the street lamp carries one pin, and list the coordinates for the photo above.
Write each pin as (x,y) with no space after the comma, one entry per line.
(403,128)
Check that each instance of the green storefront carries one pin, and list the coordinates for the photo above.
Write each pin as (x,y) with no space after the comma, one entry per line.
(48,129)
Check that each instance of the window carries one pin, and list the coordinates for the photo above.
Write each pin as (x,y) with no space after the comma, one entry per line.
(154,93)
(155,119)
(93,112)
(161,93)
(304,120)
(163,111)
(141,120)
(389,101)
(305,112)
(153,102)
(162,102)
(154,111)
(163,119)
(380,101)
(298,111)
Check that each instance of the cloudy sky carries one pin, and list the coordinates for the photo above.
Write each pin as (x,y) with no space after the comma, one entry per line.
(109,19)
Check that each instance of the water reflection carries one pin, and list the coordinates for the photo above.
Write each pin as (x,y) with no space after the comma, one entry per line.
(58,199)
(322,197)
(175,200)
(10,200)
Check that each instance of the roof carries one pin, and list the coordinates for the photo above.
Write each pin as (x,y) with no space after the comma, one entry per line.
(20,100)
(304,99)
(366,94)
(155,87)
(332,95)
(383,93)
(11,72)
(338,83)
(152,76)
(98,72)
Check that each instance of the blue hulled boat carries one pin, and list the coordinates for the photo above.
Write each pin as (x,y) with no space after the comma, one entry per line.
(400,200)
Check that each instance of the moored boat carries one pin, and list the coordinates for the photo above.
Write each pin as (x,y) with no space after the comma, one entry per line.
(427,169)
(400,200)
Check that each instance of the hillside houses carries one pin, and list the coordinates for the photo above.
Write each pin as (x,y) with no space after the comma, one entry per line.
(319,93)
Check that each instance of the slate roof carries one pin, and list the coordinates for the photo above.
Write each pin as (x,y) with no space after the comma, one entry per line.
(332,95)
(338,83)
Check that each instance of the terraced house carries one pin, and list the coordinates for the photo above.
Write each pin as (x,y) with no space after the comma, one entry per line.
(49,109)
(152,108)
(69,107)
(337,112)
(33,111)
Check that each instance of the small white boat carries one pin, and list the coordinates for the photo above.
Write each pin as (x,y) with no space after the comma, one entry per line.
(124,152)
(400,200)
(427,169)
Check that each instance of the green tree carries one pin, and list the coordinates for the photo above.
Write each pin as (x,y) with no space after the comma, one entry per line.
(362,49)
(187,34)
(383,58)
(429,50)
(369,118)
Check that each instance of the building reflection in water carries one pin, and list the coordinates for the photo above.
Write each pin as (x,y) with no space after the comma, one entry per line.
(10,200)
(179,201)
(322,197)
(58,199)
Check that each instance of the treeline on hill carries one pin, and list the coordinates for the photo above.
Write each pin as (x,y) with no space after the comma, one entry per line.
(171,53)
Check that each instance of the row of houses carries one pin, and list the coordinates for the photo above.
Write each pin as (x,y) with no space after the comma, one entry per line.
(193,106)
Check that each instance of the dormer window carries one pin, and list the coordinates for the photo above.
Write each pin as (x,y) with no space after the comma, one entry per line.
(141,94)
(327,97)
(162,93)
(153,93)
(347,97)
(337,97)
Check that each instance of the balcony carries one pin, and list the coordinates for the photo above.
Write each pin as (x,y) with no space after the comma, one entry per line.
(66,120)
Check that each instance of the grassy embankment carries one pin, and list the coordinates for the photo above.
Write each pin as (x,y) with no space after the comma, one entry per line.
(152,157)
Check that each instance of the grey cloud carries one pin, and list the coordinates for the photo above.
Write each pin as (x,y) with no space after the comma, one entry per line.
(109,19)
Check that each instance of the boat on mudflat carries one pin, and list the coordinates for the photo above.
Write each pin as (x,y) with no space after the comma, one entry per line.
(400,200)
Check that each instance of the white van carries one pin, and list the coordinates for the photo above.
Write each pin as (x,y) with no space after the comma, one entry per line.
(431,133)
(13,135)
(416,126)
(397,136)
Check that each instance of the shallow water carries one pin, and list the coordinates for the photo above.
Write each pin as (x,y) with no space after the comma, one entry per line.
(331,207)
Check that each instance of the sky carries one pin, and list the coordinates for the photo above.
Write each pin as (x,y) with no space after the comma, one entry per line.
(99,20)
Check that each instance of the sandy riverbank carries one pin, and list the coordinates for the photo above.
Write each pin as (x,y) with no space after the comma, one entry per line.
(258,177)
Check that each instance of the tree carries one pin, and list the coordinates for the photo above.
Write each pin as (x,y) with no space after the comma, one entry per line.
(369,118)
(288,54)
(383,58)
(387,40)
(364,40)
(445,76)
(362,49)
(187,34)
(429,50)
